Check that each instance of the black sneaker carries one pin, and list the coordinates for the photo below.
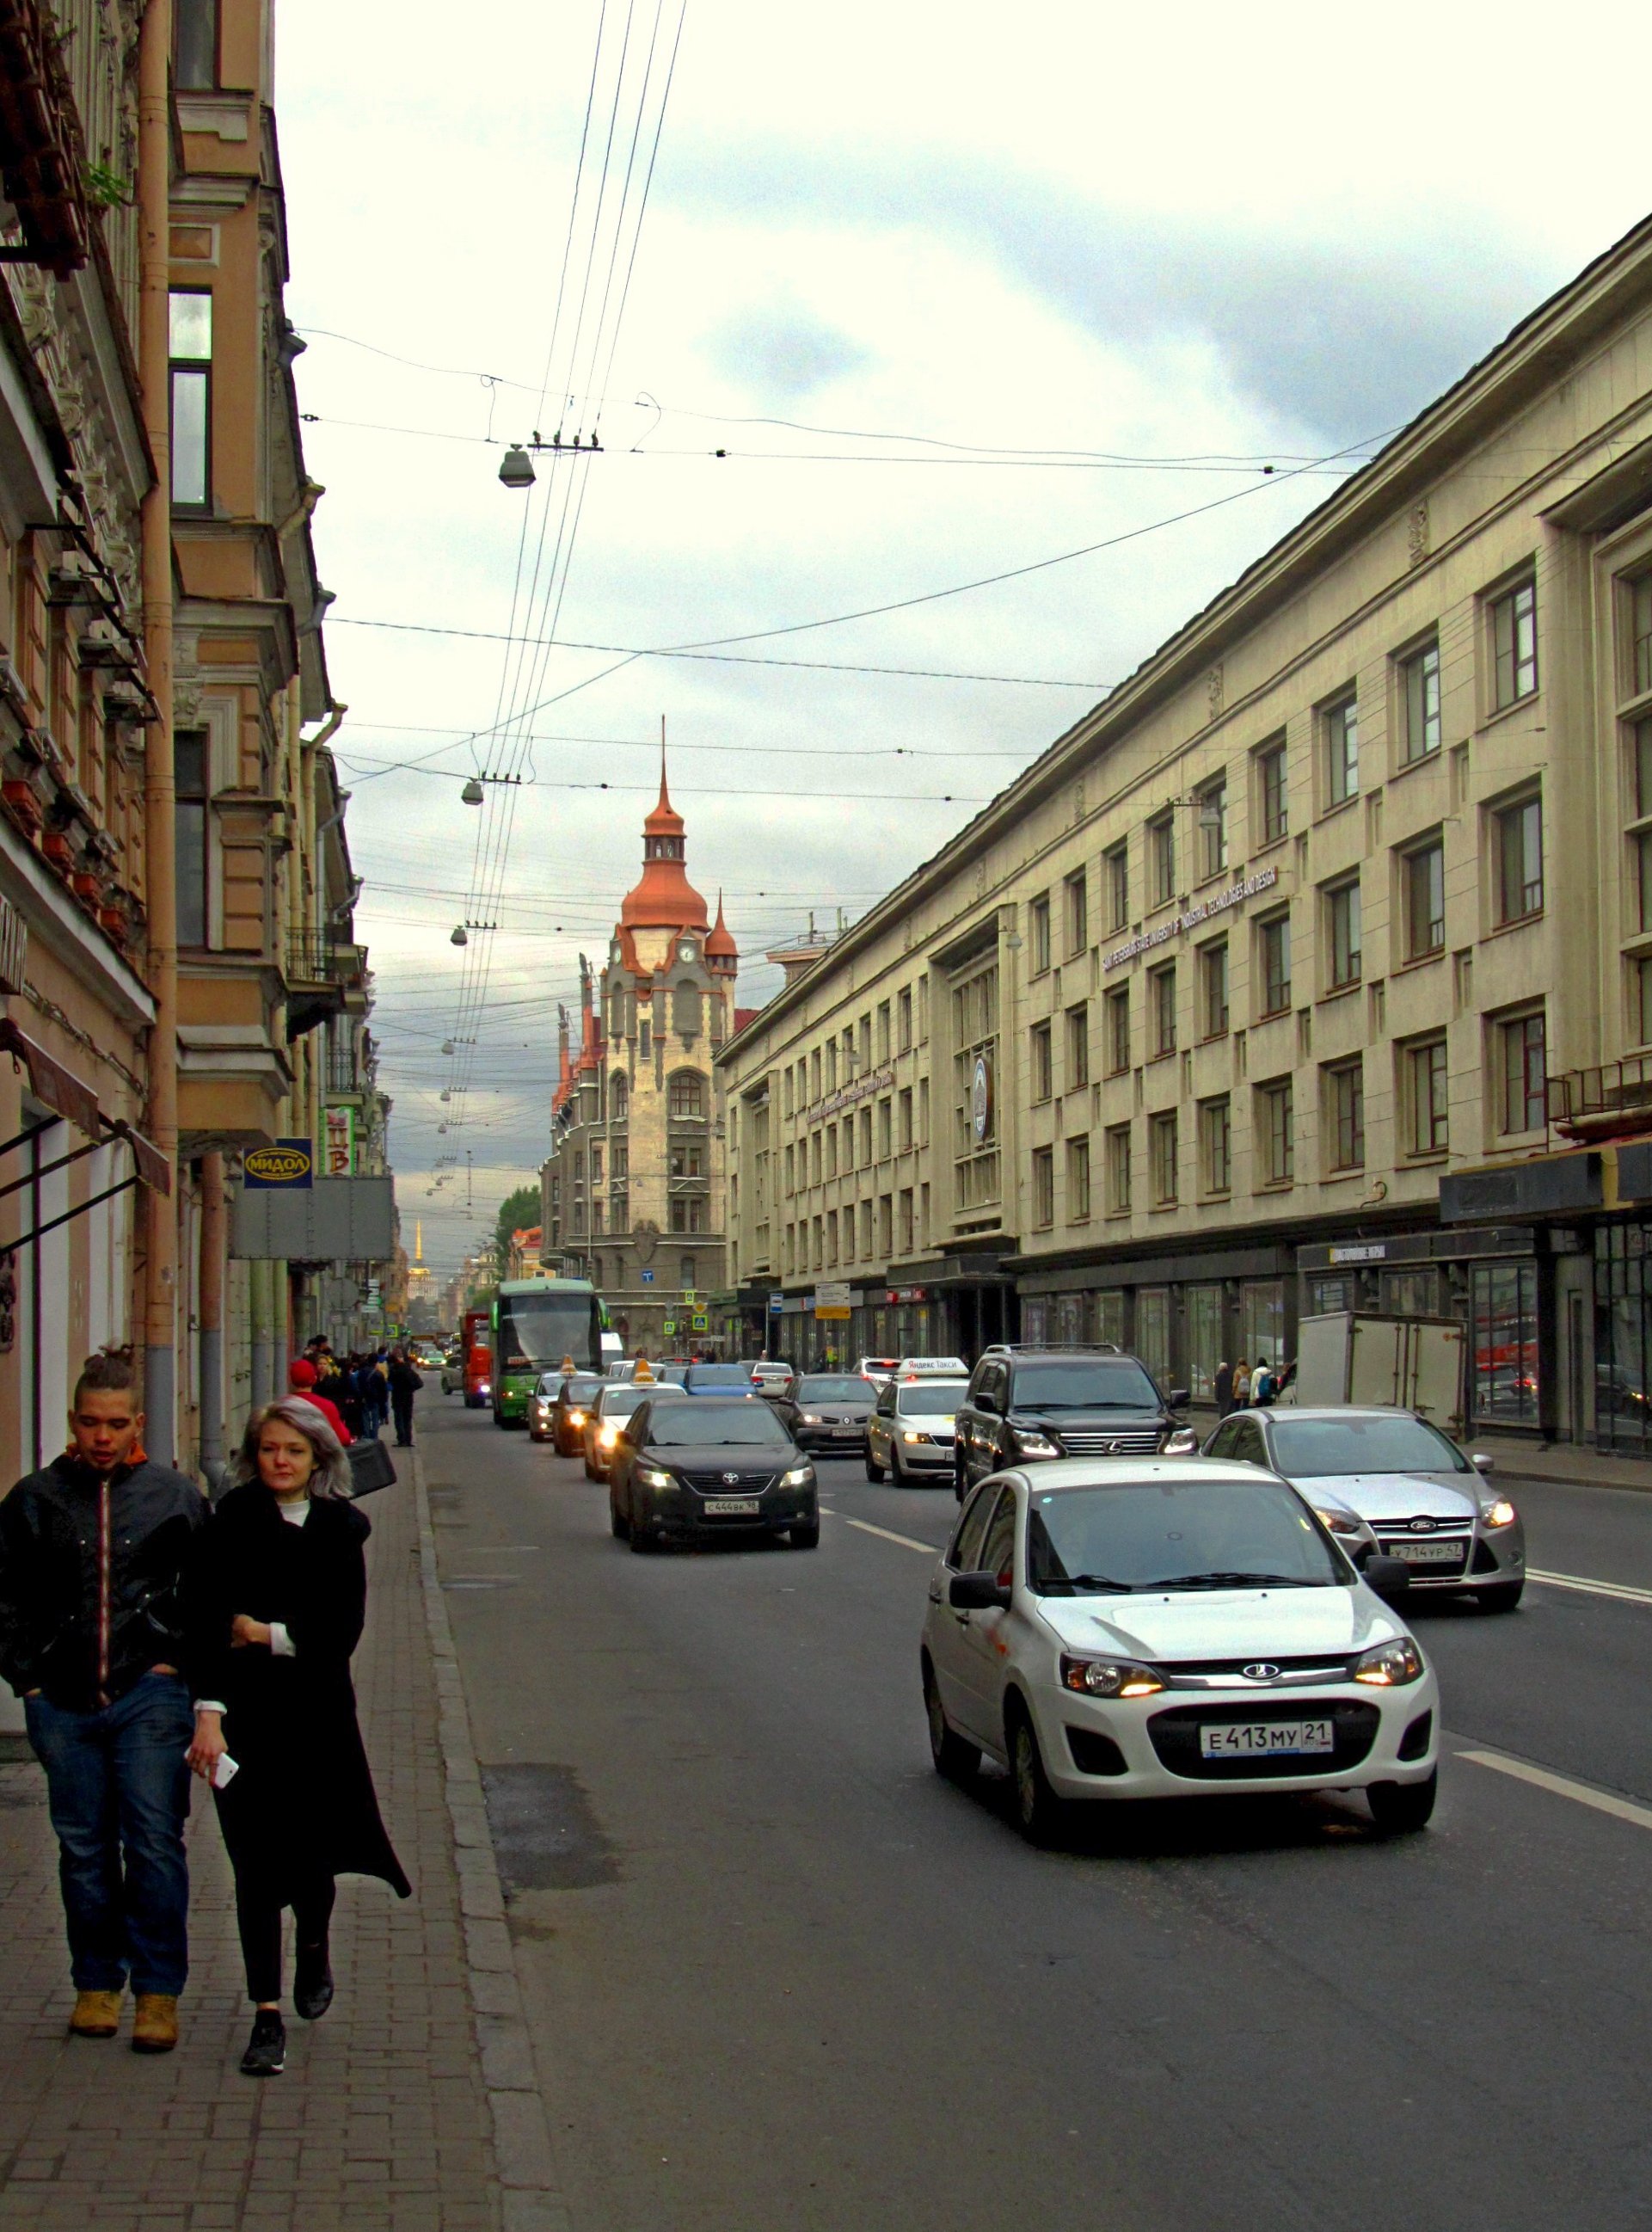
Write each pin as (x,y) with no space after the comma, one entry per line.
(266,2054)
(313,1981)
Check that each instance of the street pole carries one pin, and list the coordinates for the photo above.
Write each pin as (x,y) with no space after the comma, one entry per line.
(212,1319)
(154,198)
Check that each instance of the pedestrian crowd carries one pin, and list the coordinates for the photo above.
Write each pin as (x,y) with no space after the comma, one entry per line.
(1242,1385)
(151,1634)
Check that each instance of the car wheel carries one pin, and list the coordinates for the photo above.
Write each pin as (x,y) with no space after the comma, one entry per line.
(640,1537)
(1039,1814)
(621,1527)
(1503,1598)
(960,1479)
(874,1471)
(804,1535)
(1400,1809)
(953,1757)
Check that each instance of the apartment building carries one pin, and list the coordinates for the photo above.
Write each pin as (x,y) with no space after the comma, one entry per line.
(1311,969)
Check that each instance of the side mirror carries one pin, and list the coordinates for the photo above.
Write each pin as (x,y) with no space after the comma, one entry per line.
(1390,1577)
(977,1593)
(1179,1398)
(987,1403)
(1480,1462)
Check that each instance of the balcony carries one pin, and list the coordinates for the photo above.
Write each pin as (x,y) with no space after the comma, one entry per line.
(326,975)
(1610,1102)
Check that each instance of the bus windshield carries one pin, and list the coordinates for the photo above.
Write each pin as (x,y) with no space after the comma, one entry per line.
(537,1330)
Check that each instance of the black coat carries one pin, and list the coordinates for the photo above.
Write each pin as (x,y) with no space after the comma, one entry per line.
(55,1623)
(304,1800)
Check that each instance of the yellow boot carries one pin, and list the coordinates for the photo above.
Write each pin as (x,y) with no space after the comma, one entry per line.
(97,2015)
(155,2028)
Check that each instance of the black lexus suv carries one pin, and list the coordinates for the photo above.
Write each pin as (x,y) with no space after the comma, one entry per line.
(1025,1404)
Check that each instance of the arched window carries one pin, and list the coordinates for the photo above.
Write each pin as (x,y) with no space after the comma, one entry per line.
(616,1013)
(619,1097)
(685,1271)
(687,1098)
(685,1011)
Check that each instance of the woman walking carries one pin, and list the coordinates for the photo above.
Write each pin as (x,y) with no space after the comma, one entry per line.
(276,1601)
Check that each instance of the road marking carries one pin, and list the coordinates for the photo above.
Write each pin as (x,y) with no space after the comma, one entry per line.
(930,1549)
(1619,1589)
(1603,1802)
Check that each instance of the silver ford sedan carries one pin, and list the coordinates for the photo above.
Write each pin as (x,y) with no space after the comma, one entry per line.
(1386,1480)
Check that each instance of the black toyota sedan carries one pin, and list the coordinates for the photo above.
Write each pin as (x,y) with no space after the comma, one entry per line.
(682,1471)
(826,1410)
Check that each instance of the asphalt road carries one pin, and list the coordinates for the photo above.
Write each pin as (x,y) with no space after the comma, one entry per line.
(780,1975)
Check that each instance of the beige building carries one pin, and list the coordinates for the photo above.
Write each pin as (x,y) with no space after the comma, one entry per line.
(1297,975)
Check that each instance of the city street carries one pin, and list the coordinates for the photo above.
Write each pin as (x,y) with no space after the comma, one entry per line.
(779,1974)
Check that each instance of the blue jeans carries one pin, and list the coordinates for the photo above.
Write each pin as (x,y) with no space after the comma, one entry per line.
(119,1790)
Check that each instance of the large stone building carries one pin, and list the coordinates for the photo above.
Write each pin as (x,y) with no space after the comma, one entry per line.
(632,1195)
(1314,969)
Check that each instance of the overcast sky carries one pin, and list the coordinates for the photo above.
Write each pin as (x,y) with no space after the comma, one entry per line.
(1233,236)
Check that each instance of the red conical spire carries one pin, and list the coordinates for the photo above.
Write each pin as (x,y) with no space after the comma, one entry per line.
(663,898)
(720,946)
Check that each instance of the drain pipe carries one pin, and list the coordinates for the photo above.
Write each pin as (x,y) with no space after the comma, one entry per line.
(211,1320)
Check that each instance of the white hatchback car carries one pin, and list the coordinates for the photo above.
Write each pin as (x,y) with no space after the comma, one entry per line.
(1112,1628)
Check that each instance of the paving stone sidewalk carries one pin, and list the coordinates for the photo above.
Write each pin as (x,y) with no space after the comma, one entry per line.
(382,2116)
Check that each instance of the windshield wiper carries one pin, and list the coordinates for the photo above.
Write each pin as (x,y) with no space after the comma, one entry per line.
(1235,1580)
(1098,1583)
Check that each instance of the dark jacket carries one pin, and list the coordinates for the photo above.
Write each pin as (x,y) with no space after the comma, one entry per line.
(1224,1389)
(304,1800)
(404,1380)
(62,1530)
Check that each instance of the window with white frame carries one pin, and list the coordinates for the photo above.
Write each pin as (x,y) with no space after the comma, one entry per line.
(1161,859)
(1422,872)
(1420,705)
(1271,795)
(1340,724)
(1514,644)
(1343,948)
(189,375)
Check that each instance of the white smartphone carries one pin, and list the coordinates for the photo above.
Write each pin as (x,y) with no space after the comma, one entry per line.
(225,1771)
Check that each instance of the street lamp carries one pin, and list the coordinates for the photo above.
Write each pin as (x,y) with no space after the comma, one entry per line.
(472,793)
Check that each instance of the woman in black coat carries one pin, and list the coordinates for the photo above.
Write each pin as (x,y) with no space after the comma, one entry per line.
(276,1601)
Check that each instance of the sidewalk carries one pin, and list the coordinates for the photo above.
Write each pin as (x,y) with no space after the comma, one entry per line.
(1563,1464)
(384,2117)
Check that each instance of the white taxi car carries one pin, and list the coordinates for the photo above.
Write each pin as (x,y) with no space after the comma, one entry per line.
(909,1433)
(1114,1628)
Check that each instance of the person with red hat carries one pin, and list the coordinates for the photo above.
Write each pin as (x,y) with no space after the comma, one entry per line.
(300,1379)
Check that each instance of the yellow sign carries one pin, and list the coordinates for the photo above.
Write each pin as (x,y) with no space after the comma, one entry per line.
(289,1161)
(831,1310)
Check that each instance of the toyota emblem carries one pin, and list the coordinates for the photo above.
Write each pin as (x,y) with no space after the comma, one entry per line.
(1423,1526)
(1264,1669)
(731,1480)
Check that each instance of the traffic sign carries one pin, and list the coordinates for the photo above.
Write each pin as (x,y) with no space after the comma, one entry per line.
(698,1322)
(647,1278)
(670,1325)
(832,1299)
(776,1304)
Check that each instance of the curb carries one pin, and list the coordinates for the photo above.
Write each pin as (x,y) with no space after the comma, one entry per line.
(531,2197)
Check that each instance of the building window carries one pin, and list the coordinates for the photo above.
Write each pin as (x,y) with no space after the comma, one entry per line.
(904,1123)
(644,1041)
(1525,1073)
(1077,1047)
(1641,635)
(1216,1145)
(1426,1092)
(190,348)
(865,1231)
(618,1098)
(1160,858)
(1077,1181)
(1342,936)
(831,1151)
(1274,939)
(1515,645)
(1118,888)
(1118,1171)
(1424,871)
(1276,1134)
(1213,830)
(619,1209)
(1520,860)
(1162,1158)
(885,1130)
(195,63)
(865,1139)
(1275,818)
(687,1097)
(1421,677)
(1641,995)
(1345,1091)
(1043,1069)
(1162,1006)
(1213,989)
(190,828)
(1077,908)
(1038,932)
(903,1019)
(1118,1031)
(903,1221)
(1342,749)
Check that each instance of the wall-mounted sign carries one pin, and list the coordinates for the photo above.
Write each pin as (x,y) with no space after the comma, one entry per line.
(776,1304)
(832,1300)
(980,1099)
(14,947)
(899,1294)
(340,1142)
(646,1277)
(874,1081)
(1179,925)
(1369,1251)
(289,1164)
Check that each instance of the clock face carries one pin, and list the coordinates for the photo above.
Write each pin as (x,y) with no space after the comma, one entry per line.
(685,951)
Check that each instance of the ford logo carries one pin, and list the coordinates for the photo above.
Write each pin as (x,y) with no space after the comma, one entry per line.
(1264,1669)
(731,1480)
(1423,1526)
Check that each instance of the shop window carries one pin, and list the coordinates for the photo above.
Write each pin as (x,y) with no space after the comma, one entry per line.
(1261,1321)
(1515,645)
(1517,833)
(1412,1294)
(1505,1343)
(1204,1340)
(1420,679)
(1153,1331)
(1272,798)
(1340,727)
(1523,1069)
(1327,1294)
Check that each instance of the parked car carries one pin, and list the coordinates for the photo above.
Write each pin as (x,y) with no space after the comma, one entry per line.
(453,1372)
(827,1410)
(570,1407)
(876,1368)
(909,1433)
(1384,1479)
(717,1379)
(1035,1403)
(687,1470)
(606,1419)
(1171,1627)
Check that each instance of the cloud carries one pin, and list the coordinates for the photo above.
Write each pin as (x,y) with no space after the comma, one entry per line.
(1348,336)
(781,353)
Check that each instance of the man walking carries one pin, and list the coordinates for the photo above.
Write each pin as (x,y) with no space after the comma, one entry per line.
(92,1554)
(404,1384)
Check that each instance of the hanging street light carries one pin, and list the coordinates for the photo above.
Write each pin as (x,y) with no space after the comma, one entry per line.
(459,938)
(517,470)
(472,793)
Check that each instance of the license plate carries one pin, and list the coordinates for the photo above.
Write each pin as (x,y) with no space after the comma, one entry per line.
(731,1507)
(847,1432)
(1257,1739)
(1427,1553)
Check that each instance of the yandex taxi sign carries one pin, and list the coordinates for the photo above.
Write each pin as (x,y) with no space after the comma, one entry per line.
(289,1163)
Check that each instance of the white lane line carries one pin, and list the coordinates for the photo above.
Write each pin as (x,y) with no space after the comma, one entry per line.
(930,1549)
(1584,1793)
(1619,1589)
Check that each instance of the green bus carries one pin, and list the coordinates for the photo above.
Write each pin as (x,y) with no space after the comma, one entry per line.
(536,1323)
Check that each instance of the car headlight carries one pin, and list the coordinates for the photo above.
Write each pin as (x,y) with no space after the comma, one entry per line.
(1184,1443)
(1109,1677)
(809,1419)
(1390,1665)
(576,1418)
(799,1477)
(908,1436)
(651,1476)
(1347,1524)
(1036,1445)
(607,1436)
(1501,1514)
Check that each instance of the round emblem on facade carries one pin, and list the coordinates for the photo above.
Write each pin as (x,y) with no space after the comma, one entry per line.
(980,1099)
(1263,1670)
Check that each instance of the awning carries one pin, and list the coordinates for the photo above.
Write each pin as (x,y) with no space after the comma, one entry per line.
(61,1090)
(153,1169)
